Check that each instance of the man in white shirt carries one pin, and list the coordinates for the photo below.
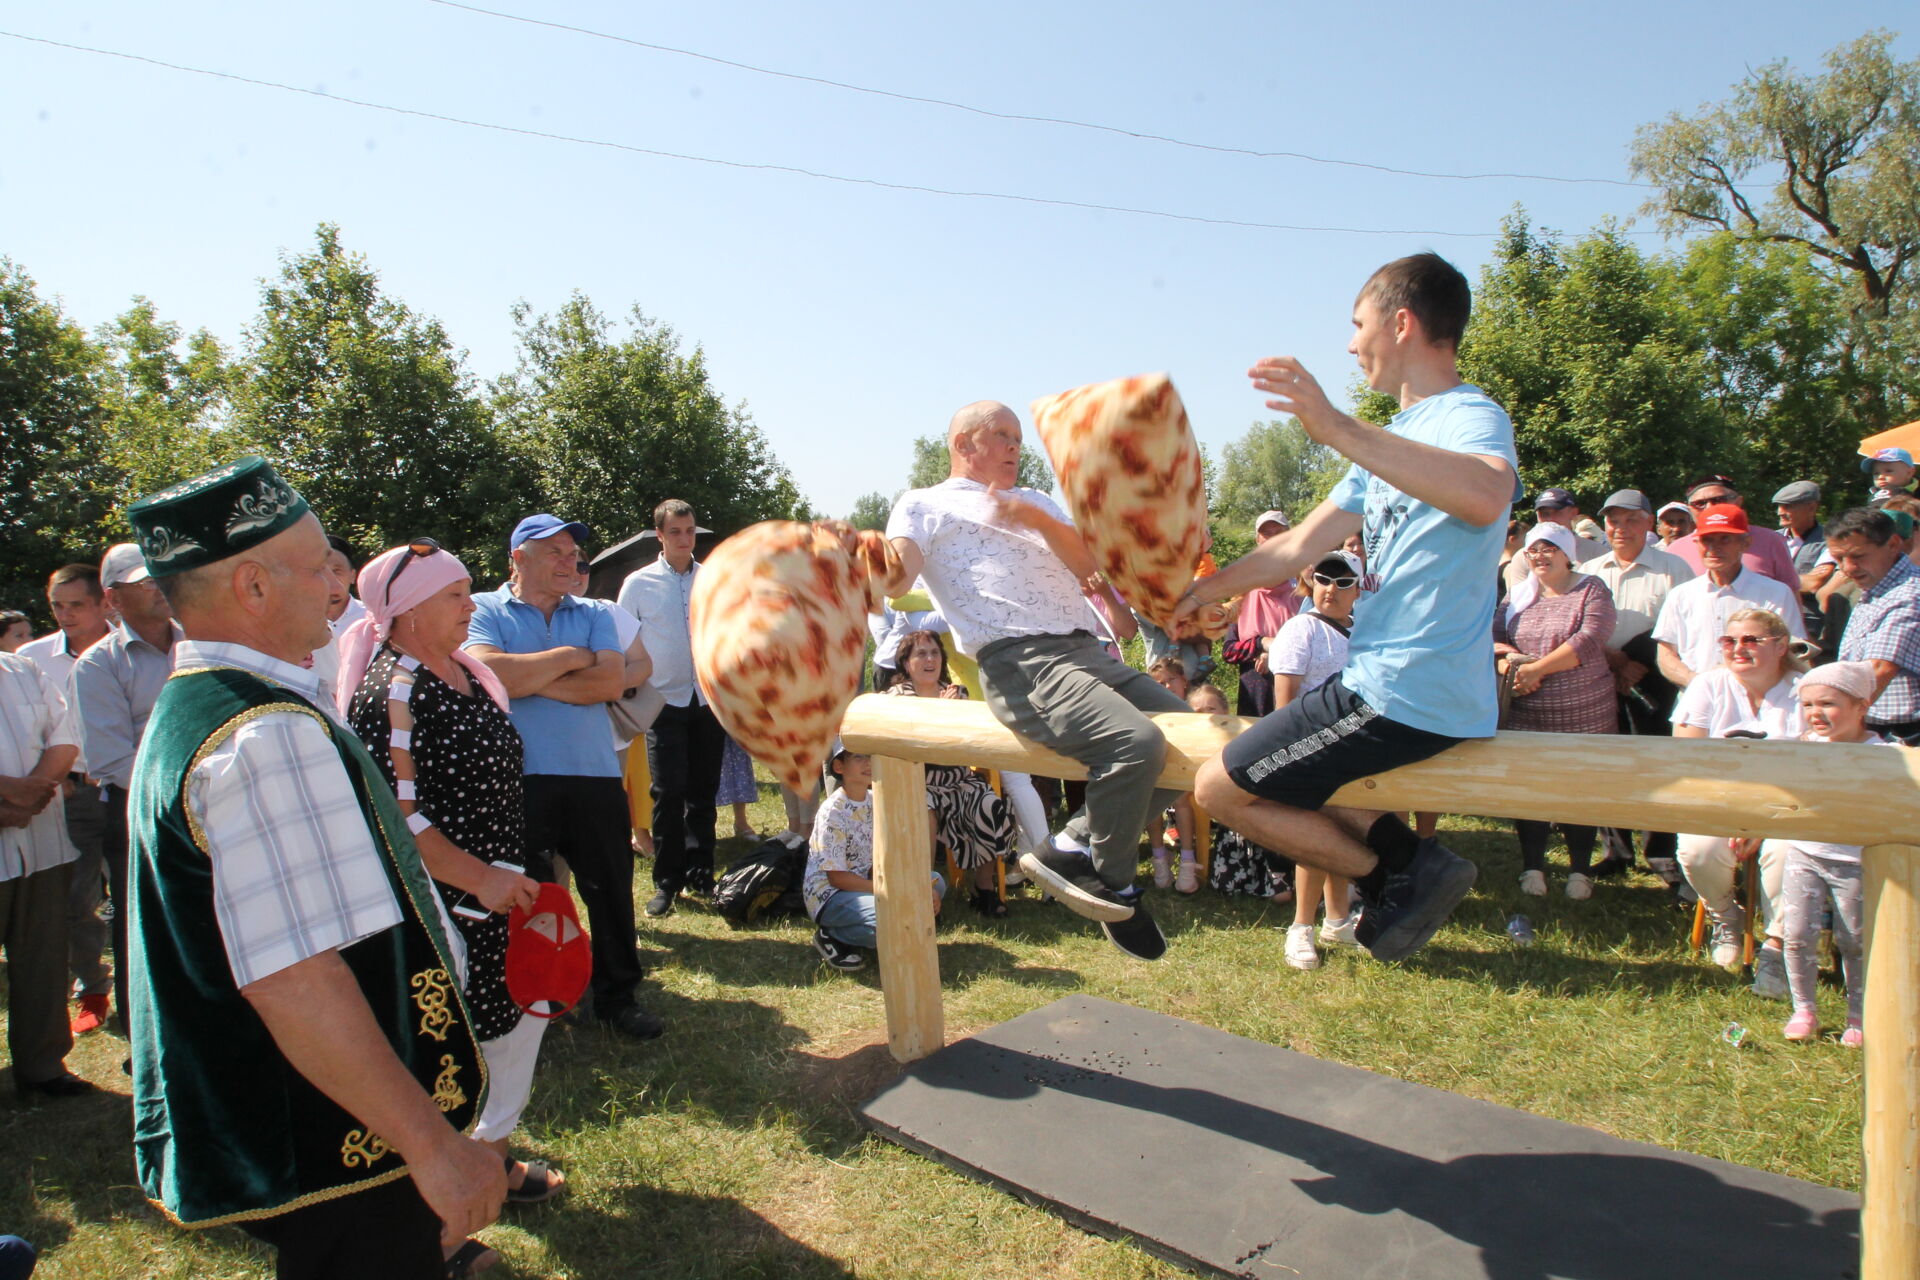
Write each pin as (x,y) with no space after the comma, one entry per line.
(686,742)
(1695,613)
(1006,569)
(1641,576)
(80,608)
(37,747)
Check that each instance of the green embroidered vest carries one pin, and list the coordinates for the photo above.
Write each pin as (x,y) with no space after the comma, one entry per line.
(224,1128)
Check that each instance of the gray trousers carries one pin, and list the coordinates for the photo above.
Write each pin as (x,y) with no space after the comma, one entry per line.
(1805,888)
(33,931)
(1070,694)
(86,931)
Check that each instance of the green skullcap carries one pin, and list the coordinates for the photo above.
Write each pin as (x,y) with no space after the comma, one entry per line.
(213,516)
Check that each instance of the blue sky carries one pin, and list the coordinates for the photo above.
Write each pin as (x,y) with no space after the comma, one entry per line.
(849,319)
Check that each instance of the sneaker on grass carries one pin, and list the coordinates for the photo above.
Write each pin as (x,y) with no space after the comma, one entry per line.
(1727,930)
(1340,932)
(1137,935)
(1415,902)
(1300,949)
(1069,876)
(1770,974)
(837,953)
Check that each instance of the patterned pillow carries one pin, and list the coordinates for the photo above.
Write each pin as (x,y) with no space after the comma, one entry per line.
(778,621)
(1130,469)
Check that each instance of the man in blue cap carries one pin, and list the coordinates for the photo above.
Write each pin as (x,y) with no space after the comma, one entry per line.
(561,661)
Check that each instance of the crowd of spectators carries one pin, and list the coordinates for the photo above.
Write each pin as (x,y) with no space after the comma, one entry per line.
(486,714)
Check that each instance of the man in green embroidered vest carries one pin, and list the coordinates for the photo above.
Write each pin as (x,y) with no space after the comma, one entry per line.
(303,1065)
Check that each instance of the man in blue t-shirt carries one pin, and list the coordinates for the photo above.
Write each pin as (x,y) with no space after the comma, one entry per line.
(561,660)
(1430,492)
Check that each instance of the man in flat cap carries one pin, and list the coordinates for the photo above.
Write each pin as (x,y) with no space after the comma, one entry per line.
(303,1062)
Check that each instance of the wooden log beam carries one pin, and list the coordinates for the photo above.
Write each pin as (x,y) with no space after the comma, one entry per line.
(1890,1123)
(903,908)
(1793,790)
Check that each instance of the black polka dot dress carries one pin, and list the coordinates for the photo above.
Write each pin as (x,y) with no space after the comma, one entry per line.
(467,779)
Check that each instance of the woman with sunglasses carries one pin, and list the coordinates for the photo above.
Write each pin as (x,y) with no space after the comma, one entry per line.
(435,720)
(1551,638)
(1750,694)
(1309,650)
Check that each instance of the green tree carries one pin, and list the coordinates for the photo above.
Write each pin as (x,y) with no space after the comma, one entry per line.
(613,424)
(368,409)
(870,510)
(1840,152)
(165,409)
(1605,380)
(56,480)
(931,465)
(1274,467)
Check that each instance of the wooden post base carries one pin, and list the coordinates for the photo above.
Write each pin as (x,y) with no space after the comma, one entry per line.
(1890,1128)
(903,905)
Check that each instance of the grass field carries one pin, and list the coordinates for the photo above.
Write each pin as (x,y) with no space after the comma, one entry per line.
(729,1148)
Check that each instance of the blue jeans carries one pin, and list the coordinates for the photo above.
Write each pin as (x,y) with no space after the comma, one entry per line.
(848,916)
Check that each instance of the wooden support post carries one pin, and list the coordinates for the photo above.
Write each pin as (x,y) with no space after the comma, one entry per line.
(1890,1128)
(903,905)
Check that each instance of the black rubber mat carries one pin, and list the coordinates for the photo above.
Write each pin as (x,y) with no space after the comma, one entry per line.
(1241,1159)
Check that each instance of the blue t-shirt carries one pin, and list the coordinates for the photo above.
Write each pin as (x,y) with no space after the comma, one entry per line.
(560,737)
(1422,646)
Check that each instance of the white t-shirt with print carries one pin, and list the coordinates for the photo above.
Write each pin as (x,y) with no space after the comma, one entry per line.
(988,581)
(1307,646)
(842,841)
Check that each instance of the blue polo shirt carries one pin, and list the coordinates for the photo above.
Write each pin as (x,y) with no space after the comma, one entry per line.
(1421,652)
(560,737)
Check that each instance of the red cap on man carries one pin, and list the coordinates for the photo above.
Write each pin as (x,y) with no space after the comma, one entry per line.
(1722,517)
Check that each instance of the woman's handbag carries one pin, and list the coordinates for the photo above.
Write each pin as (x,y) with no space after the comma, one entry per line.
(634,711)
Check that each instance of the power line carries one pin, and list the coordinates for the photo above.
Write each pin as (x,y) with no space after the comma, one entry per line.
(1030,119)
(747,164)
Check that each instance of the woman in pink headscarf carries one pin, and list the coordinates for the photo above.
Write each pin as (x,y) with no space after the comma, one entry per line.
(435,719)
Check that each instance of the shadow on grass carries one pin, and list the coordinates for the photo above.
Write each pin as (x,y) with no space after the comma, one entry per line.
(657,1232)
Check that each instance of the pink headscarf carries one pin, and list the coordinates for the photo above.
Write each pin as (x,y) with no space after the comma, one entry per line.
(418,583)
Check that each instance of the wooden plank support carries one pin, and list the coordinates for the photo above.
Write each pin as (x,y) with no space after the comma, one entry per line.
(903,904)
(1890,1128)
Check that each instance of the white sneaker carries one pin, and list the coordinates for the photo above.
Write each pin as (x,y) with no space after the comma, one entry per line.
(1188,881)
(1162,870)
(1579,886)
(1533,883)
(1066,844)
(1300,952)
(1340,932)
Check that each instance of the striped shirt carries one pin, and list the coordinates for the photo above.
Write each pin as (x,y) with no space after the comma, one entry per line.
(33,718)
(295,870)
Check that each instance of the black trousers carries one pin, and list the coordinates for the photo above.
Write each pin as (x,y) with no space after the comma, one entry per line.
(684,748)
(386,1233)
(113,852)
(584,820)
(1648,716)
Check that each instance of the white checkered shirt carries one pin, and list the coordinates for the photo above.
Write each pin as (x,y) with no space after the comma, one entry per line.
(295,870)
(33,717)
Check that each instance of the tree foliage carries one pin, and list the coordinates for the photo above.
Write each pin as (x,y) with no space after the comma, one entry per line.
(614,423)
(165,408)
(368,409)
(56,480)
(1274,467)
(870,510)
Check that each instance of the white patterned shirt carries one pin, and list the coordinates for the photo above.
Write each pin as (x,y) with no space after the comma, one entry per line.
(33,718)
(842,841)
(988,580)
(295,870)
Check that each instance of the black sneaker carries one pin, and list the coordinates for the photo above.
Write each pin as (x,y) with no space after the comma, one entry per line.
(660,904)
(1138,935)
(837,953)
(1070,877)
(1415,902)
(635,1022)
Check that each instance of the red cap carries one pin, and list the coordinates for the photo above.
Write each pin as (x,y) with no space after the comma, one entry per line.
(549,957)
(1723,517)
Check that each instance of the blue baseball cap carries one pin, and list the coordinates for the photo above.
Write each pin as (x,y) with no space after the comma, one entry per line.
(533,528)
(1885,455)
